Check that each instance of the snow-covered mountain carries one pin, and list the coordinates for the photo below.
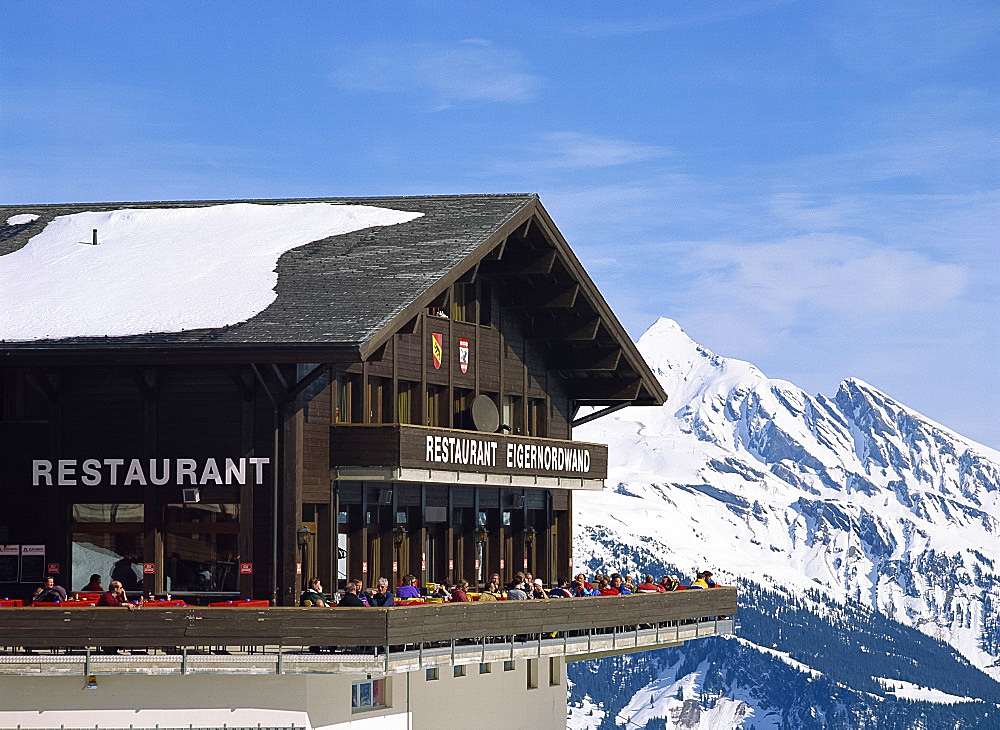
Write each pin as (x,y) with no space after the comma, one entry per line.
(855,504)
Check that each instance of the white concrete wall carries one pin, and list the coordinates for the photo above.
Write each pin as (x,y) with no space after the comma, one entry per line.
(323,702)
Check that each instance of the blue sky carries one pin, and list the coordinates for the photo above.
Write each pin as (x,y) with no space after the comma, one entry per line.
(809,186)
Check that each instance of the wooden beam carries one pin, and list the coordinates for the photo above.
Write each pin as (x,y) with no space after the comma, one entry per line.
(308,379)
(589,358)
(145,381)
(564,328)
(605,389)
(521,262)
(469,276)
(496,253)
(541,296)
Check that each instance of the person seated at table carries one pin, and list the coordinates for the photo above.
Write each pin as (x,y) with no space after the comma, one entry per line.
(670,583)
(561,590)
(493,586)
(313,595)
(604,587)
(629,583)
(350,599)
(618,583)
(580,577)
(516,589)
(441,591)
(94,586)
(459,594)
(409,588)
(708,579)
(359,591)
(648,586)
(701,581)
(537,589)
(579,588)
(382,596)
(49,592)
(115,597)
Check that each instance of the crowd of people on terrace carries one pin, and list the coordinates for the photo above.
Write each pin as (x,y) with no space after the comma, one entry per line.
(523,587)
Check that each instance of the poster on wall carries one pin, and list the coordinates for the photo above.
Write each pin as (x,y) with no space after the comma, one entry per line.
(10,563)
(32,563)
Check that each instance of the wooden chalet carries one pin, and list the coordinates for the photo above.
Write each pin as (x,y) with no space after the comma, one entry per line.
(344,431)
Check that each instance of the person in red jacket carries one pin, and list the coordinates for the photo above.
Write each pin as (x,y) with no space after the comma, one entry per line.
(115,597)
(648,586)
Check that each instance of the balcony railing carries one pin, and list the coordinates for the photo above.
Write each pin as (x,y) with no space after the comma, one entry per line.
(400,452)
(383,640)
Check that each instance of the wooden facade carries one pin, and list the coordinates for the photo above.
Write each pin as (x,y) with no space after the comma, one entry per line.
(290,459)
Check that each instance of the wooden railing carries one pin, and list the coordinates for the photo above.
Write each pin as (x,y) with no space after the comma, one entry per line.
(164,628)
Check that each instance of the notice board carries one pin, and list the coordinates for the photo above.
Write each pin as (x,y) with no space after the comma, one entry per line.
(32,563)
(10,557)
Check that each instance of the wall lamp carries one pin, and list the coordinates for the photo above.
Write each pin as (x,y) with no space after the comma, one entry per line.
(481,534)
(529,535)
(398,535)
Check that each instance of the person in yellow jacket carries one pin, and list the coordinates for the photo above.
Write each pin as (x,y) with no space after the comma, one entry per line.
(701,581)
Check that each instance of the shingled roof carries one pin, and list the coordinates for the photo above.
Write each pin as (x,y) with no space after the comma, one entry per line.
(340,298)
(338,292)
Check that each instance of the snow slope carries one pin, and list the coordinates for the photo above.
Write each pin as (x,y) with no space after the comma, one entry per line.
(161,270)
(856,495)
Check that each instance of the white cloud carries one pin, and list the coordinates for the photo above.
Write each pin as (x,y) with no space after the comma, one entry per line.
(795,279)
(469,71)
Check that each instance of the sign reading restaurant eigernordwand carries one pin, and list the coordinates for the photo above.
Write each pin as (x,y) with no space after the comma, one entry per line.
(464,451)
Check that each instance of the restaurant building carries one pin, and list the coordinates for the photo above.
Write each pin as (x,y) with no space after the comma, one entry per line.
(217,400)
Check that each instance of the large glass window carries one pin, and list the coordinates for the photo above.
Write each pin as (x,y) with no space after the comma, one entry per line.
(107,541)
(202,547)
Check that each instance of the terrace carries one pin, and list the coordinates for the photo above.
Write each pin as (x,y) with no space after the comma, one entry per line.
(233,640)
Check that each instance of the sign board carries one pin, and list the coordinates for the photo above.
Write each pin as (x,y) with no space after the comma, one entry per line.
(501,563)
(9,563)
(463,354)
(395,566)
(53,568)
(451,564)
(32,563)
(477,563)
(246,568)
(417,447)
(437,349)
(298,569)
(525,564)
(364,566)
(149,568)
(143,472)
(423,561)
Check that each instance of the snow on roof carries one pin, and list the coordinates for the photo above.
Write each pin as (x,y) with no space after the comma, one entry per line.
(161,270)
(21,219)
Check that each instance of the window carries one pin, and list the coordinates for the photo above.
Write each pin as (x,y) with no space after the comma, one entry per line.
(485,303)
(555,671)
(532,674)
(537,418)
(508,665)
(431,674)
(463,409)
(513,414)
(463,306)
(347,399)
(485,668)
(367,694)
(437,407)
(459,671)
(406,402)
(379,400)
(107,539)
(202,547)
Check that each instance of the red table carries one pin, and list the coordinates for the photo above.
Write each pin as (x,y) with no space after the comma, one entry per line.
(244,603)
(11,603)
(64,604)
